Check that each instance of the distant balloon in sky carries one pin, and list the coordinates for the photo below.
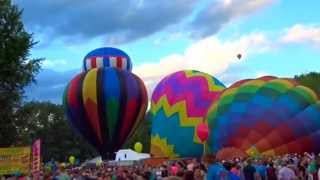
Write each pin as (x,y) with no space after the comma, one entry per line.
(105,105)
(239,56)
(107,57)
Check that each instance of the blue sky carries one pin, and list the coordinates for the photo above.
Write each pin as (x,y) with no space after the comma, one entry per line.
(275,37)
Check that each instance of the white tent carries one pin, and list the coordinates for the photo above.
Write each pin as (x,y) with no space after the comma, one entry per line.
(123,157)
(130,155)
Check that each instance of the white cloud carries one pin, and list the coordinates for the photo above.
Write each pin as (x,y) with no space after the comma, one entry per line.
(244,7)
(54,63)
(302,34)
(210,55)
(213,18)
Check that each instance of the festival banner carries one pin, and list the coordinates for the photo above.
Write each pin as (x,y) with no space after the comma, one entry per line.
(36,157)
(15,160)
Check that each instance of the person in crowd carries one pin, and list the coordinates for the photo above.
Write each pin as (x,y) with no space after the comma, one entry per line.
(231,176)
(249,171)
(61,174)
(261,168)
(216,171)
(286,173)
(271,172)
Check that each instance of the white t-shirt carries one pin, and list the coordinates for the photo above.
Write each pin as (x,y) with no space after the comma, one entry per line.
(286,173)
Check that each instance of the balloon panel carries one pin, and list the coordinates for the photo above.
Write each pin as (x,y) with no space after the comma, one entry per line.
(107,57)
(265,115)
(105,105)
(179,103)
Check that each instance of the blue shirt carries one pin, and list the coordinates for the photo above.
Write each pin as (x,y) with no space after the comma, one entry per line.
(233,176)
(217,172)
(262,170)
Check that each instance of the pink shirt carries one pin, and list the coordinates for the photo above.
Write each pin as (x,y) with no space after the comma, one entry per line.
(235,171)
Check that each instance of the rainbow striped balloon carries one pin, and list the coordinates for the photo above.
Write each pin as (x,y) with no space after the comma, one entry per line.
(179,103)
(107,57)
(265,116)
(105,106)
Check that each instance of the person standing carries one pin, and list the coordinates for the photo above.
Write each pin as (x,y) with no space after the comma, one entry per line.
(286,173)
(249,171)
(215,170)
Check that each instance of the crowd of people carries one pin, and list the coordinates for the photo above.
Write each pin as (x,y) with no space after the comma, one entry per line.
(287,167)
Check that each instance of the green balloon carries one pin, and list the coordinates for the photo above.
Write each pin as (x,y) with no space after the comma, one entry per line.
(72,160)
(138,147)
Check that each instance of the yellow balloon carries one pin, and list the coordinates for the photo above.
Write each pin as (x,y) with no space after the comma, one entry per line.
(98,162)
(138,147)
(72,160)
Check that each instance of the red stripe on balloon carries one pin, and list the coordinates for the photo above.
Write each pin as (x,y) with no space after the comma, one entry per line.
(73,91)
(93,62)
(93,116)
(128,119)
(119,62)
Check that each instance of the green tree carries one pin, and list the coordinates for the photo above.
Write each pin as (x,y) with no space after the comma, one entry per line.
(17,70)
(311,80)
(46,121)
(142,135)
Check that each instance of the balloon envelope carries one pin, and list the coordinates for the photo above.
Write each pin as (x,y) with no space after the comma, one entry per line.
(107,57)
(72,160)
(266,116)
(179,103)
(174,170)
(105,106)
(138,147)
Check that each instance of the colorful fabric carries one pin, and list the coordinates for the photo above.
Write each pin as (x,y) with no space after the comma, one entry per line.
(107,57)
(179,103)
(105,105)
(268,115)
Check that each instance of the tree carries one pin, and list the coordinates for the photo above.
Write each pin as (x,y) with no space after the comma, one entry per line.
(17,70)
(46,121)
(311,80)
(142,135)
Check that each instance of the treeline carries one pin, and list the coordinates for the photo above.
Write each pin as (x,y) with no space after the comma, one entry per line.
(46,121)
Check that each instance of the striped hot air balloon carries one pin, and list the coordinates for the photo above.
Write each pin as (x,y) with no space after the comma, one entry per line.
(265,116)
(107,57)
(105,105)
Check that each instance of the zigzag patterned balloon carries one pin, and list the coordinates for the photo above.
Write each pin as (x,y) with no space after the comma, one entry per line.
(179,103)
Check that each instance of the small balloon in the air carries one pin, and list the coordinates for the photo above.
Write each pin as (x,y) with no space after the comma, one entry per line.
(239,56)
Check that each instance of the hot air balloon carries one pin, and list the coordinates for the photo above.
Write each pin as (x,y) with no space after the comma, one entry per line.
(265,116)
(105,106)
(138,147)
(179,103)
(72,160)
(107,57)
(239,56)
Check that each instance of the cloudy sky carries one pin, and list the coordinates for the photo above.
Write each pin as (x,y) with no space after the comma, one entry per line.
(275,37)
